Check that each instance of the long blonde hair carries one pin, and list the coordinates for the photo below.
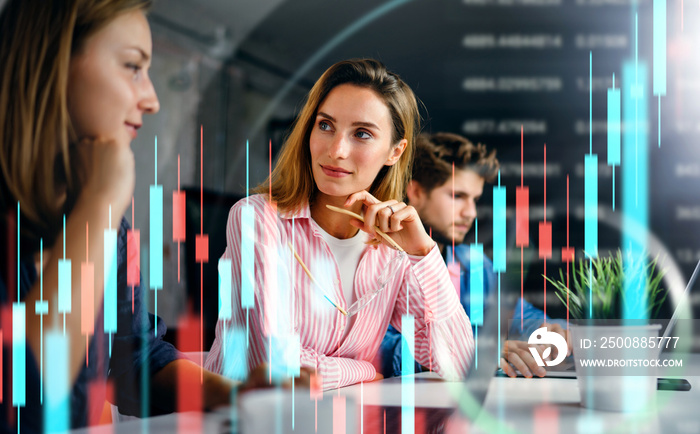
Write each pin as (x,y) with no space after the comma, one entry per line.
(292,183)
(36,168)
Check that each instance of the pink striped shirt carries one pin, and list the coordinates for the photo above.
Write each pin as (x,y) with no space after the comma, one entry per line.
(443,333)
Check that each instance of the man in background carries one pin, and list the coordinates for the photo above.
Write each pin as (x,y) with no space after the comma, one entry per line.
(447,207)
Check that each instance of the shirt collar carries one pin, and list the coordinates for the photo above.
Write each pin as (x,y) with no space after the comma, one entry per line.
(461,252)
(304,212)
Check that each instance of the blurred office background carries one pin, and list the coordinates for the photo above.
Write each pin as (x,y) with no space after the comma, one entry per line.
(237,72)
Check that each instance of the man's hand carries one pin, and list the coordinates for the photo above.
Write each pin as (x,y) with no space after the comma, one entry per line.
(516,354)
(565,333)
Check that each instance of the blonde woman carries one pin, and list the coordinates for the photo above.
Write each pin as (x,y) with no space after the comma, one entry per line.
(351,147)
(74,90)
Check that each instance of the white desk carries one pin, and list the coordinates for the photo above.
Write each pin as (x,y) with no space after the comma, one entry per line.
(541,406)
(553,405)
(544,405)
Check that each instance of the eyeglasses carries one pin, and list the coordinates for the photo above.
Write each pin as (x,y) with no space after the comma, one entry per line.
(382,282)
(363,301)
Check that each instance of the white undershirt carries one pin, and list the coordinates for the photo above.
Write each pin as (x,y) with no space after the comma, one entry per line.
(347,254)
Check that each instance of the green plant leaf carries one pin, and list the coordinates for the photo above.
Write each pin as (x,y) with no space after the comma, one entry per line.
(599,285)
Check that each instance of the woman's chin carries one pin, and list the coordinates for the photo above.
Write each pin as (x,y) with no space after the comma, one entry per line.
(335,192)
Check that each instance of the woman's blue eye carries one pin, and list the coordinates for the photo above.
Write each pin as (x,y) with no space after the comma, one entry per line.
(134,67)
(363,135)
(323,125)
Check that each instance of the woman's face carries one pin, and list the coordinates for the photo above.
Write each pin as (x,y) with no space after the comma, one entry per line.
(108,85)
(351,140)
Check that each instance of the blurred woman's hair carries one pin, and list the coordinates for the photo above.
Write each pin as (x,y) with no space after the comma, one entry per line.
(39,37)
(292,183)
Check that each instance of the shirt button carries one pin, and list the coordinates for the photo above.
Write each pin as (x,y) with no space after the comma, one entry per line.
(429,314)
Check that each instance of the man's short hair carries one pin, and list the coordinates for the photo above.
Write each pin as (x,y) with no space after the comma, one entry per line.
(435,153)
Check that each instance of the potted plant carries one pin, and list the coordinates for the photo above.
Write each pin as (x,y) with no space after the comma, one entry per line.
(613,354)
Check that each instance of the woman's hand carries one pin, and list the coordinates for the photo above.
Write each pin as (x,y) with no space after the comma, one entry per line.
(396,219)
(259,378)
(106,173)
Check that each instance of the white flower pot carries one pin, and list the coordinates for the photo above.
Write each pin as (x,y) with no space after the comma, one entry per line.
(631,385)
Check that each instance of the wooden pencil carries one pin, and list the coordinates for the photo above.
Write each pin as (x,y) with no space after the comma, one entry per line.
(308,273)
(360,218)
